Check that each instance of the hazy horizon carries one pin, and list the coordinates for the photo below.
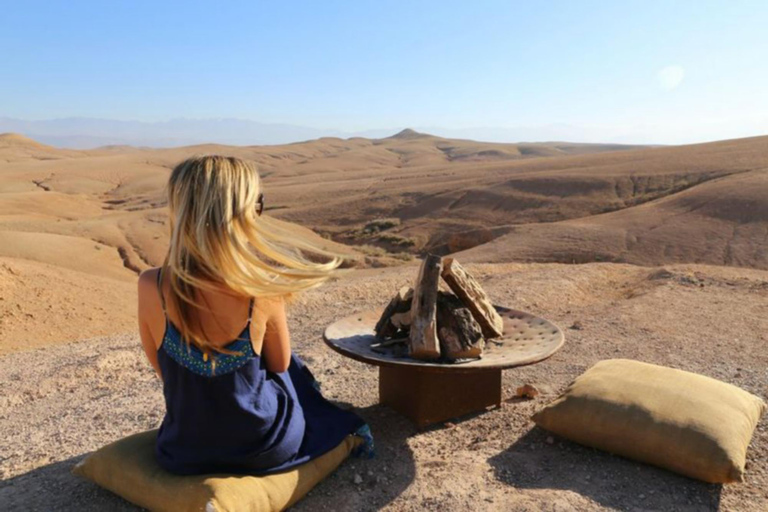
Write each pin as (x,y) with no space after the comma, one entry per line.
(90,133)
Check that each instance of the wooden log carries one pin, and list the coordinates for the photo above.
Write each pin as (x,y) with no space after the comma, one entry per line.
(473,296)
(424,343)
(391,320)
(459,333)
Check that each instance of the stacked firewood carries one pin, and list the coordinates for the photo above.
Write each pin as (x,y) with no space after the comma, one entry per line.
(439,325)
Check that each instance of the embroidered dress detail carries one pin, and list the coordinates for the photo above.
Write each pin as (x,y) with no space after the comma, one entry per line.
(197,361)
(192,358)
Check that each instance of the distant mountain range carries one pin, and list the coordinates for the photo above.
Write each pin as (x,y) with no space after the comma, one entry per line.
(88,133)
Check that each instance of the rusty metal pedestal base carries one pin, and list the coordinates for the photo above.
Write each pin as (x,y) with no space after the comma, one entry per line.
(427,397)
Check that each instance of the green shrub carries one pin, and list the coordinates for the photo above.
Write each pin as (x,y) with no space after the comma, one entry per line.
(398,240)
(378,225)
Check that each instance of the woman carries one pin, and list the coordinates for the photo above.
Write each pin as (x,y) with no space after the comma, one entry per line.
(213,325)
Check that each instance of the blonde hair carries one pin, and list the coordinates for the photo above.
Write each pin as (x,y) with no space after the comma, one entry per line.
(217,238)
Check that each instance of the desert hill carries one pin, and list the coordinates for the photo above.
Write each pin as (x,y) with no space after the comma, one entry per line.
(721,221)
(114,195)
(14,147)
(100,213)
(715,187)
(10,140)
(84,222)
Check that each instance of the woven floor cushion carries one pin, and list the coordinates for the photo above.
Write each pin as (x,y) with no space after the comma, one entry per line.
(128,468)
(685,422)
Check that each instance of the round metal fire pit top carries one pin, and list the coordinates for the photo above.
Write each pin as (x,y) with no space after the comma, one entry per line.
(527,339)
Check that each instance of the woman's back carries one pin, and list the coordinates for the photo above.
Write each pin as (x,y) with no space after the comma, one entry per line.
(224,413)
(229,413)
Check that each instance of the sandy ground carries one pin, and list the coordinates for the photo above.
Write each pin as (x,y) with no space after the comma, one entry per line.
(58,403)
(43,305)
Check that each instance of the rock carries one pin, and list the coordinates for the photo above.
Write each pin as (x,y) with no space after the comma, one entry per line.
(562,506)
(550,440)
(577,325)
(358,479)
(661,274)
(527,391)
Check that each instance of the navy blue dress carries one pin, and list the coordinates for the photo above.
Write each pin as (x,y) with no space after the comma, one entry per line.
(229,414)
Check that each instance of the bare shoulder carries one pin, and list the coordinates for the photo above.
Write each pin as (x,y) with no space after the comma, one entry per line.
(148,281)
(270,307)
(270,303)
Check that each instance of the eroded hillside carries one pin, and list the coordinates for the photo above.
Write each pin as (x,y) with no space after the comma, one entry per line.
(78,225)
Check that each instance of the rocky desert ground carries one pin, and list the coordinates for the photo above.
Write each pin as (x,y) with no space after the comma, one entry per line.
(652,253)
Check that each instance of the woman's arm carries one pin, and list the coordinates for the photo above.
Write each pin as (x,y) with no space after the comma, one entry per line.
(276,349)
(148,300)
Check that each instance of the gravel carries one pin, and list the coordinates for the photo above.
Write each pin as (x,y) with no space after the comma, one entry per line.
(59,403)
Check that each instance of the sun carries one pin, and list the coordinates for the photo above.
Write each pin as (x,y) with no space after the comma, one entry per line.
(670,77)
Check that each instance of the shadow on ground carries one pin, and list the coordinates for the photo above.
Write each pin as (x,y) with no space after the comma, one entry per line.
(615,482)
(55,488)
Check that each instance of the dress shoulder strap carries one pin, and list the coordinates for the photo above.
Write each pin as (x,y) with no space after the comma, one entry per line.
(250,312)
(160,289)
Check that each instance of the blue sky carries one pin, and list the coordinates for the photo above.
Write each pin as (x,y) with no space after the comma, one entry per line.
(652,71)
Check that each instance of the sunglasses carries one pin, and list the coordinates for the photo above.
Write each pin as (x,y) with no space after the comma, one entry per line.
(260,204)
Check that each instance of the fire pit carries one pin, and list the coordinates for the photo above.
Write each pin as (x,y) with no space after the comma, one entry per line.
(422,383)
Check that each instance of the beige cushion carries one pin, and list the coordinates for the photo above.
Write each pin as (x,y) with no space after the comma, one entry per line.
(681,421)
(127,467)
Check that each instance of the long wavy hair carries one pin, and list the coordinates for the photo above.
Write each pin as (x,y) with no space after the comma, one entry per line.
(218,240)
